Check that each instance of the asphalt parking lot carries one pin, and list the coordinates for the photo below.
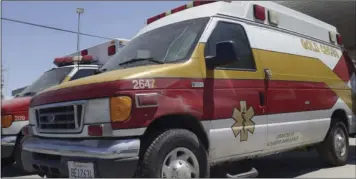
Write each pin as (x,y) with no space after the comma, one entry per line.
(296,164)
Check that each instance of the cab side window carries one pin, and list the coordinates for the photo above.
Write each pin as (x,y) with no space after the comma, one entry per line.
(225,31)
(83,73)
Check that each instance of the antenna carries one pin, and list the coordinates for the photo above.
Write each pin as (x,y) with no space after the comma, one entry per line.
(79,11)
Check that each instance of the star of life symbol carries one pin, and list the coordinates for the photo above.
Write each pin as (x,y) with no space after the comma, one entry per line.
(243,121)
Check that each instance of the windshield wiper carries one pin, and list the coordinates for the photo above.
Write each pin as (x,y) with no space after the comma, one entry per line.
(100,71)
(141,59)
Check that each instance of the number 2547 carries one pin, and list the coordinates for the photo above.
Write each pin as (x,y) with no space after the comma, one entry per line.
(142,84)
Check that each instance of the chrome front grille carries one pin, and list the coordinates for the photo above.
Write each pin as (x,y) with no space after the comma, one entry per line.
(60,118)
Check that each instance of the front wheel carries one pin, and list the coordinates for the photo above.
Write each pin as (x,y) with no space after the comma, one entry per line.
(175,153)
(17,153)
(334,149)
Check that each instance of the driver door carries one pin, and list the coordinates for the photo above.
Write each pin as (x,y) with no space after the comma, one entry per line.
(237,109)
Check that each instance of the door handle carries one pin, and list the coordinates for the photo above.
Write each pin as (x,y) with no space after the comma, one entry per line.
(268,74)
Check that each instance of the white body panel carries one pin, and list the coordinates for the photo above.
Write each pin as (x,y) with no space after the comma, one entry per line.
(277,132)
(286,43)
(14,129)
(224,144)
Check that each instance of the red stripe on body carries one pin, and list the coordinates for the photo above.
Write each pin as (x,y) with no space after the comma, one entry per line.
(342,70)
(216,100)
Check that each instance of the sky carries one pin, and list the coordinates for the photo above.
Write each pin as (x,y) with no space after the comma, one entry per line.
(28,51)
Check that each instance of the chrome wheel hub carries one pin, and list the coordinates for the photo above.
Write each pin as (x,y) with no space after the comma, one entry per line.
(340,142)
(180,163)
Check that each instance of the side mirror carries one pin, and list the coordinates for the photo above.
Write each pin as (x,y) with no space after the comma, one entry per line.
(225,54)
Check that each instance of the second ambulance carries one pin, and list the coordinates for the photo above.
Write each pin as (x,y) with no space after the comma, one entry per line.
(14,112)
(200,85)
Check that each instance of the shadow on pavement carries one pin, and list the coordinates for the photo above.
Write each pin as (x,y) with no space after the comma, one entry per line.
(284,165)
(13,171)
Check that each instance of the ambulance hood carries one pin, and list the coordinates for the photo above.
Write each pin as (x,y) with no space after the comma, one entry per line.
(180,70)
(15,105)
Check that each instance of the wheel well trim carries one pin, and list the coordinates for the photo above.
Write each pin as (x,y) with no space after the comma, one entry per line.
(202,134)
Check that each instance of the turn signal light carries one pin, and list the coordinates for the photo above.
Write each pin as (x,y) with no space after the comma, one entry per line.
(6,121)
(120,108)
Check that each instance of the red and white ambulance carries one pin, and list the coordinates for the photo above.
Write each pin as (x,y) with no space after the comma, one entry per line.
(202,84)
(14,112)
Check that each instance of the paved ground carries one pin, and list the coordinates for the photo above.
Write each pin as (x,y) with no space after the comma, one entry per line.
(286,165)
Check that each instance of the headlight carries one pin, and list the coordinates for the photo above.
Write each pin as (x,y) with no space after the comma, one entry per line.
(6,121)
(120,108)
(97,111)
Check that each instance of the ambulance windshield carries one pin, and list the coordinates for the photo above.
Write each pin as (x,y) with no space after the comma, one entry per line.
(168,44)
(47,80)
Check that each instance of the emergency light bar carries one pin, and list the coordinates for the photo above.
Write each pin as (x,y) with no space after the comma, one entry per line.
(111,48)
(63,61)
(260,12)
(180,8)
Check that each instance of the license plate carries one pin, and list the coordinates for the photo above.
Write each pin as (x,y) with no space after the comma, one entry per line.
(80,170)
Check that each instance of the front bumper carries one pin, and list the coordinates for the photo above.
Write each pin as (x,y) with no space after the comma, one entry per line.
(111,158)
(7,146)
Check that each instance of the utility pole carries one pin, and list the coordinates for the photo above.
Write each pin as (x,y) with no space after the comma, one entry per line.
(2,83)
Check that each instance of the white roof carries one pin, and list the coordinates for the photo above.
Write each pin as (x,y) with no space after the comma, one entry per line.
(121,39)
(289,19)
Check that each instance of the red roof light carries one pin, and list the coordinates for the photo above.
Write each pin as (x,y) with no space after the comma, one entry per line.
(84,52)
(111,50)
(180,8)
(87,59)
(63,61)
(339,39)
(259,12)
(154,18)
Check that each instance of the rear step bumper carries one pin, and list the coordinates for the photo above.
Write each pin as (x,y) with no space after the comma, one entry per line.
(250,174)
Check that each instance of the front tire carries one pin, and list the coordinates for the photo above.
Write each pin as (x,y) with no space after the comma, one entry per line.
(174,153)
(17,153)
(335,147)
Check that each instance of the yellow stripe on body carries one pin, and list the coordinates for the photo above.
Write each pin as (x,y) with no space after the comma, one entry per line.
(290,67)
